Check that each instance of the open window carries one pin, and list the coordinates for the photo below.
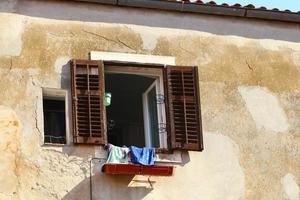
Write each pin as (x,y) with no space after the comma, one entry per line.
(135,114)
(152,105)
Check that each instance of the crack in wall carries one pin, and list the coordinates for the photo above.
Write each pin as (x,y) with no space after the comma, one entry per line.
(11,63)
(36,116)
(126,45)
(249,66)
(17,173)
(64,35)
(119,42)
(100,36)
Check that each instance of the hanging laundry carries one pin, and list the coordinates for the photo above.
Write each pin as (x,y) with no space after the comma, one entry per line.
(144,156)
(117,154)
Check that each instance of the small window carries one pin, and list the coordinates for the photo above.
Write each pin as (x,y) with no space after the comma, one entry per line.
(54,111)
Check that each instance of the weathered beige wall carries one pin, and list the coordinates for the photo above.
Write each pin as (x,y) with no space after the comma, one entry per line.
(250,97)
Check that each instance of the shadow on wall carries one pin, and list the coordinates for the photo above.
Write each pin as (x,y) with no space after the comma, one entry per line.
(107,187)
(66,77)
(90,12)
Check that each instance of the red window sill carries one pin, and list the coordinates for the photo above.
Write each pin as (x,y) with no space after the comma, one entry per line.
(133,169)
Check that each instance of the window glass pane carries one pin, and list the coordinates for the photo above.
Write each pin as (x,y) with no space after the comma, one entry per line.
(153,118)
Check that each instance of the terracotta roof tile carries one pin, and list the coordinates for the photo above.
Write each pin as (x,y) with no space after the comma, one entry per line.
(199,2)
(262,8)
(250,6)
(224,4)
(209,7)
(211,3)
(237,5)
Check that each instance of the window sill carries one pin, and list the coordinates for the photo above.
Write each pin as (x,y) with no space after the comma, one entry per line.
(53,145)
(162,151)
(174,158)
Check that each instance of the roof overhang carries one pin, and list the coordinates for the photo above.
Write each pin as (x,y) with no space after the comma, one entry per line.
(206,8)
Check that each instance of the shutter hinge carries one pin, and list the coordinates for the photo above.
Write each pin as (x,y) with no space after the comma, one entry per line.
(160,99)
(162,127)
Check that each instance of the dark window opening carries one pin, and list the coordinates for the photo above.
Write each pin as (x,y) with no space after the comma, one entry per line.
(54,121)
(125,114)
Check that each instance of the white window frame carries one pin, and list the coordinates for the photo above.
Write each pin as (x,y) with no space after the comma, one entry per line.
(161,116)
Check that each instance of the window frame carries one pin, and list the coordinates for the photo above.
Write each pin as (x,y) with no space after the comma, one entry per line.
(158,75)
(183,127)
(148,136)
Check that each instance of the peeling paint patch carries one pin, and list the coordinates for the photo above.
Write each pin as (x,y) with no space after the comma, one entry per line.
(296,58)
(290,187)
(60,62)
(270,44)
(149,37)
(264,108)
(12,29)
(235,40)
(9,146)
(221,158)
(274,45)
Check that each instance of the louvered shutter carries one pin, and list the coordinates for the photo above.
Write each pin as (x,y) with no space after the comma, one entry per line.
(183,108)
(87,79)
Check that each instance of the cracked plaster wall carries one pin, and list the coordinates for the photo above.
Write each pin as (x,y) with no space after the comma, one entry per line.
(243,158)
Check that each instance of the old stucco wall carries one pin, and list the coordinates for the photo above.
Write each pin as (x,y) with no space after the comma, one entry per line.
(249,81)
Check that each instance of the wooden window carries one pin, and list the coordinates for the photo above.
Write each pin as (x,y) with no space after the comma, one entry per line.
(54,121)
(183,108)
(182,103)
(87,102)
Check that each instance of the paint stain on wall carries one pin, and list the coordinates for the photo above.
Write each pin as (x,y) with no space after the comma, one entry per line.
(296,58)
(290,187)
(9,147)
(60,62)
(264,108)
(218,167)
(11,35)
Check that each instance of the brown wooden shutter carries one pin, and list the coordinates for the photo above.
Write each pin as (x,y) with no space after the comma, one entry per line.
(183,108)
(87,79)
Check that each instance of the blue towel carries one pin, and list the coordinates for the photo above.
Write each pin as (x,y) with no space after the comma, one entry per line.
(144,156)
